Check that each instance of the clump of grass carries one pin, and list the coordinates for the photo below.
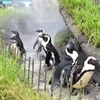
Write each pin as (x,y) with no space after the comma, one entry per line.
(11,86)
(87,17)
(62,37)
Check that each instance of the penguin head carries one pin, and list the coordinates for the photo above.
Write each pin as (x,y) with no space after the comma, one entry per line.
(91,60)
(15,33)
(40,31)
(46,38)
(94,61)
(70,47)
(13,39)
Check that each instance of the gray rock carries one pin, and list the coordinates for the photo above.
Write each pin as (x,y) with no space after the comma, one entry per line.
(86,48)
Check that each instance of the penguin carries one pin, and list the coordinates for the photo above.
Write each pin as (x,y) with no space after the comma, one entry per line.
(70,50)
(38,42)
(49,59)
(51,53)
(84,73)
(66,64)
(17,43)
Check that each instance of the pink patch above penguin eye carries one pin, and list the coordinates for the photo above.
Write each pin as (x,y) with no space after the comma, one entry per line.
(94,59)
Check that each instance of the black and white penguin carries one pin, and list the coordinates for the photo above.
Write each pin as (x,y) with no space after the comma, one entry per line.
(84,73)
(16,43)
(38,42)
(49,59)
(52,56)
(66,64)
(70,50)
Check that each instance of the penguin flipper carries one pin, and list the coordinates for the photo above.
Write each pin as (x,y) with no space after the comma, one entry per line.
(20,45)
(67,70)
(35,44)
(39,49)
(47,59)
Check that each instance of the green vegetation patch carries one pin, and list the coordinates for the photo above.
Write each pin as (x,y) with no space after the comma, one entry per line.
(14,14)
(11,85)
(62,37)
(86,14)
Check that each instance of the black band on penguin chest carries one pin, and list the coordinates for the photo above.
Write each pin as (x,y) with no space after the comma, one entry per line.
(84,73)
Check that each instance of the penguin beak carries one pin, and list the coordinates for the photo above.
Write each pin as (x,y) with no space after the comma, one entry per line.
(37,31)
(13,32)
(98,63)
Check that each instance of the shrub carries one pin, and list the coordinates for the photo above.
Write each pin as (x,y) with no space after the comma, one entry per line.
(62,37)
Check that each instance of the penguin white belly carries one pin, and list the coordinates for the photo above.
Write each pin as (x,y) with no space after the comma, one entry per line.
(14,49)
(42,53)
(39,41)
(52,60)
(85,79)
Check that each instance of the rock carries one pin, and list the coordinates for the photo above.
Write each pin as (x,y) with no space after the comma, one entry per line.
(86,48)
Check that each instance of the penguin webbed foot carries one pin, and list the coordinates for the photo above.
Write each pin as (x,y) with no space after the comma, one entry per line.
(64,85)
(56,83)
(87,89)
(49,68)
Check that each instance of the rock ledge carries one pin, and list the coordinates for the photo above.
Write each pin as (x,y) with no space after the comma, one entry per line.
(87,47)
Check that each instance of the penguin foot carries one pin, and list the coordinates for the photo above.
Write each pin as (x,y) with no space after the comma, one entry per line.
(65,85)
(49,68)
(86,91)
(56,84)
(44,65)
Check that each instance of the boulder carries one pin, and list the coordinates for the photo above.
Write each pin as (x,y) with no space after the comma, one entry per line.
(83,46)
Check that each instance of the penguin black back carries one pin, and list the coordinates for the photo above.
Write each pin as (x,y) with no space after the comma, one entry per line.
(19,42)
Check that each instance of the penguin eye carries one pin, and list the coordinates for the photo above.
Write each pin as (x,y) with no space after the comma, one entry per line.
(92,61)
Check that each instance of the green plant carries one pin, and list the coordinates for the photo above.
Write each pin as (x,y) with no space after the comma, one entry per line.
(87,17)
(62,37)
(11,86)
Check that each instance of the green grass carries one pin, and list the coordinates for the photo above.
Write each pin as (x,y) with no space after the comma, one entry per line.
(11,85)
(86,14)
(62,37)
